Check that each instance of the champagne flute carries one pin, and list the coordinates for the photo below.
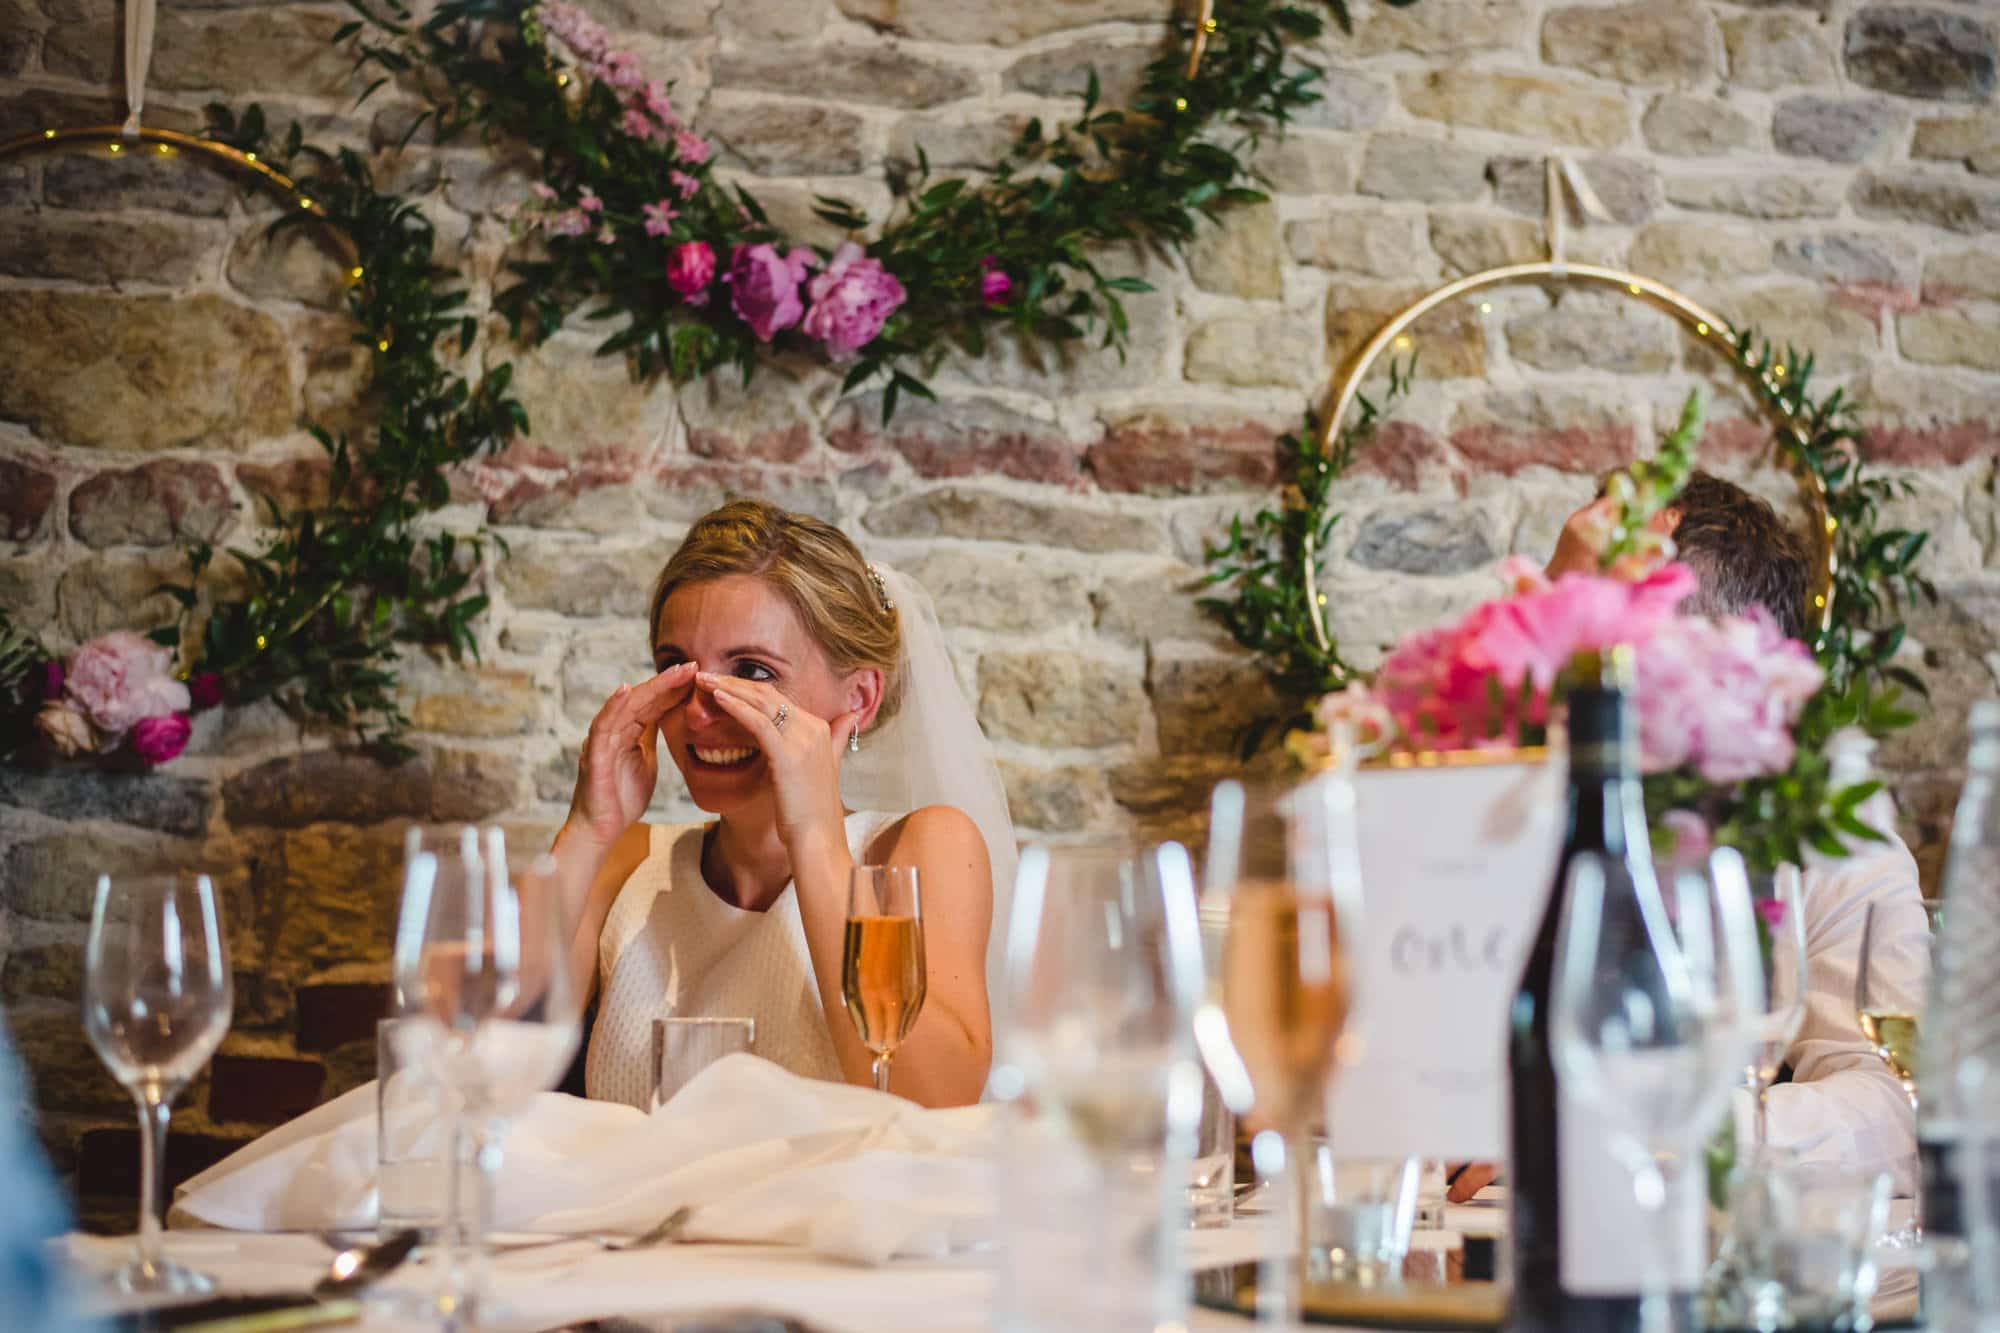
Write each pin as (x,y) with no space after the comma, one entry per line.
(1888,1019)
(882,974)
(157,997)
(482,973)
(1655,1012)
(1781,921)
(1284,860)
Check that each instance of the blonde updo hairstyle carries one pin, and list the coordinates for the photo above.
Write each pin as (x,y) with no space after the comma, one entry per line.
(813,566)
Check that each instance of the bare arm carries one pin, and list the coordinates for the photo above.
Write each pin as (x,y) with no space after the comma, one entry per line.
(944,1060)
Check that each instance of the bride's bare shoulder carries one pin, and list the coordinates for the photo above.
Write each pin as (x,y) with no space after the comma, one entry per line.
(940,834)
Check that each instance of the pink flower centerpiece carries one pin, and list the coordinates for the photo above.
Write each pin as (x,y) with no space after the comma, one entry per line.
(120,688)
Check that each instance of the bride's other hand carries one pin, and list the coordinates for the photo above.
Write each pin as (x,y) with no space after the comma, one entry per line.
(803,754)
(620,763)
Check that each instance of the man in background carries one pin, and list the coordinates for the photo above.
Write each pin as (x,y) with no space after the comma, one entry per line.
(1841,1103)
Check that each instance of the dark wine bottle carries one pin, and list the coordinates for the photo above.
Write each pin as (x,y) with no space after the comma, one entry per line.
(1580,1243)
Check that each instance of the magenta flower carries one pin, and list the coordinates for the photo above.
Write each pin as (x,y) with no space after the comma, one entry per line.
(764,287)
(158,739)
(660,217)
(685,185)
(1772,910)
(658,105)
(851,301)
(690,268)
(590,203)
(120,678)
(995,286)
(205,690)
(52,679)
(690,147)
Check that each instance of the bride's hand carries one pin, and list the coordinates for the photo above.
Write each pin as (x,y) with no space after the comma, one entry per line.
(620,763)
(804,753)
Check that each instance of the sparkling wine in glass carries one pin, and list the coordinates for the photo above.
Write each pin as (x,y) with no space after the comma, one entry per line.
(882,974)
(157,997)
(1285,861)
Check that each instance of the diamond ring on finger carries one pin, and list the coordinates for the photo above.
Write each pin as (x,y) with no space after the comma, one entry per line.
(778,718)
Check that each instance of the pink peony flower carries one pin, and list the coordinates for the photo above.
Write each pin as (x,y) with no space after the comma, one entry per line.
(52,679)
(659,217)
(119,678)
(158,739)
(205,690)
(764,287)
(690,147)
(690,268)
(1722,695)
(684,185)
(851,301)
(68,730)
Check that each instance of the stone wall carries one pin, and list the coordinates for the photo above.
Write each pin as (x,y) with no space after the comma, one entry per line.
(1828,170)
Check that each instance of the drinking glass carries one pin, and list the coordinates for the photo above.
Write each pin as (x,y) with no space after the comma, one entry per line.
(157,997)
(1360,1212)
(1888,1018)
(1653,1018)
(482,976)
(1095,1067)
(882,975)
(683,1047)
(1284,859)
(1781,929)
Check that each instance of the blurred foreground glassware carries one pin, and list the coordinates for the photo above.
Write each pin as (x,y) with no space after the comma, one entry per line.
(1359,1215)
(412,1136)
(1654,1015)
(1800,1248)
(157,1000)
(482,976)
(1095,1062)
(683,1047)
(1284,860)
(1781,921)
(1889,1019)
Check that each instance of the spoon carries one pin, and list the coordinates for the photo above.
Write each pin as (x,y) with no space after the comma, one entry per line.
(363,1265)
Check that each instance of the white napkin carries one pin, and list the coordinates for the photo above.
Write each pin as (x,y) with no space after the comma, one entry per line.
(760,1154)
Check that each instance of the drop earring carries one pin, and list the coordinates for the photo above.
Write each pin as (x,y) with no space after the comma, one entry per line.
(854,741)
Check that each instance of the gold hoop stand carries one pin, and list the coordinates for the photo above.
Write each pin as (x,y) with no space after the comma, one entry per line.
(1702,322)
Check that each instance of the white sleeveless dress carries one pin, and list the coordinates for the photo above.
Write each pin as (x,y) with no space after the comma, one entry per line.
(671,948)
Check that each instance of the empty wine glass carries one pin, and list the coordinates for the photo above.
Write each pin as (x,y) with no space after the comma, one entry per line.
(1888,1014)
(1285,861)
(882,975)
(1655,1013)
(157,997)
(1095,1061)
(1781,932)
(482,972)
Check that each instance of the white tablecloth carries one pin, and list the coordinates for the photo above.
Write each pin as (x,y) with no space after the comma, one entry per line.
(549,1286)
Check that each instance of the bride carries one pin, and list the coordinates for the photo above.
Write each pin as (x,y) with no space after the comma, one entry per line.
(788,669)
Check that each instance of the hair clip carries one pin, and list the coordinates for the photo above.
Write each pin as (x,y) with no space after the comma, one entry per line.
(881,588)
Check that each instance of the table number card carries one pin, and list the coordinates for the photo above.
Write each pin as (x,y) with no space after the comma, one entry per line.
(1456,864)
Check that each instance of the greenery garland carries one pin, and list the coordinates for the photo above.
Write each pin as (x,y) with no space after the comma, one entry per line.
(626,209)
(1771,820)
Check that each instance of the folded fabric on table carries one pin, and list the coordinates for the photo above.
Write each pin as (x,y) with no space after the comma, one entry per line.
(761,1155)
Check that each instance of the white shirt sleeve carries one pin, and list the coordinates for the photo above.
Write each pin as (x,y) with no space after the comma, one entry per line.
(1843,1103)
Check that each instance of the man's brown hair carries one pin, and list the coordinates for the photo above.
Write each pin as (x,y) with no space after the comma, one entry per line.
(1744,554)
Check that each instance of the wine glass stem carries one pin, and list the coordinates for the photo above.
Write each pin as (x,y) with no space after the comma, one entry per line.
(882,1072)
(1653,1188)
(1763,1120)
(1281,1173)
(153,1115)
